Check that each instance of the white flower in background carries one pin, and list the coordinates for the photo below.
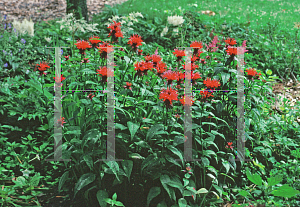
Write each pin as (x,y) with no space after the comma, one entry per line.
(164,32)
(195,5)
(175,20)
(176,31)
(48,39)
(81,25)
(24,27)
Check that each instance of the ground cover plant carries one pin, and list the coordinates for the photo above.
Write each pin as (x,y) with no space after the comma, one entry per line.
(149,78)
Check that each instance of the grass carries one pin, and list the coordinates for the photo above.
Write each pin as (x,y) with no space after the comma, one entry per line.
(258,12)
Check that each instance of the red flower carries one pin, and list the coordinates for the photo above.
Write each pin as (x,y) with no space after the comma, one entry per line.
(155,59)
(104,49)
(205,95)
(177,116)
(251,72)
(62,78)
(115,31)
(42,67)
(196,44)
(147,58)
(61,121)
(94,40)
(179,54)
(67,57)
(90,96)
(140,52)
(180,78)
(209,117)
(85,60)
(211,83)
(82,46)
(142,68)
(170,76)
(105,73)
(195,76)
(128,86)
(230,41)
(135,41)
(161,68)
(229,145)
(189,101)
(193,66)
(168,96)
(231,51)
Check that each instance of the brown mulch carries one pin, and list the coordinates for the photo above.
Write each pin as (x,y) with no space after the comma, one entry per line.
(38,10)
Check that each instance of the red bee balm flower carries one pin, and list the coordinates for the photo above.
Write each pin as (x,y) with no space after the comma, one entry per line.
(104,49)
(94,40)
(135,41)
(62,78)
(82,46)
(42,67)
(251,72)
(205,95)
(115,31)
(182,101)
(230,41)
(105,73)
(168,96)
(170,76)
(211,83)
(196,44)
(179,54)
(231,51)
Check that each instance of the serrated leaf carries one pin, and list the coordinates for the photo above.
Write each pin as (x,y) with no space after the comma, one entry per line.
(83,181)
(154,191)
(285,191)
(255,178)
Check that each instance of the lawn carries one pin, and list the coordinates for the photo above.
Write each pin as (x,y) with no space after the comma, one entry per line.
(160,145)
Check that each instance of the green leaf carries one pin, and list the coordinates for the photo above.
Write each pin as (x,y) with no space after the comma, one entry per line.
(113,165)
(225,77)
(255,178)
(133,127)
(172,160)
(245,193)
(226,165)
(176,152)
(154,191)
(34,84)
(274,180)
(202,190)
(118,203)
(114,197)
(91,82)
(153,130)
(120,126)
(89,161)
(101,195)
(83,181)
(285,191)
(136,156)
(62,180)
(182,202)
(205,161)
(127,166)
(164,179)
